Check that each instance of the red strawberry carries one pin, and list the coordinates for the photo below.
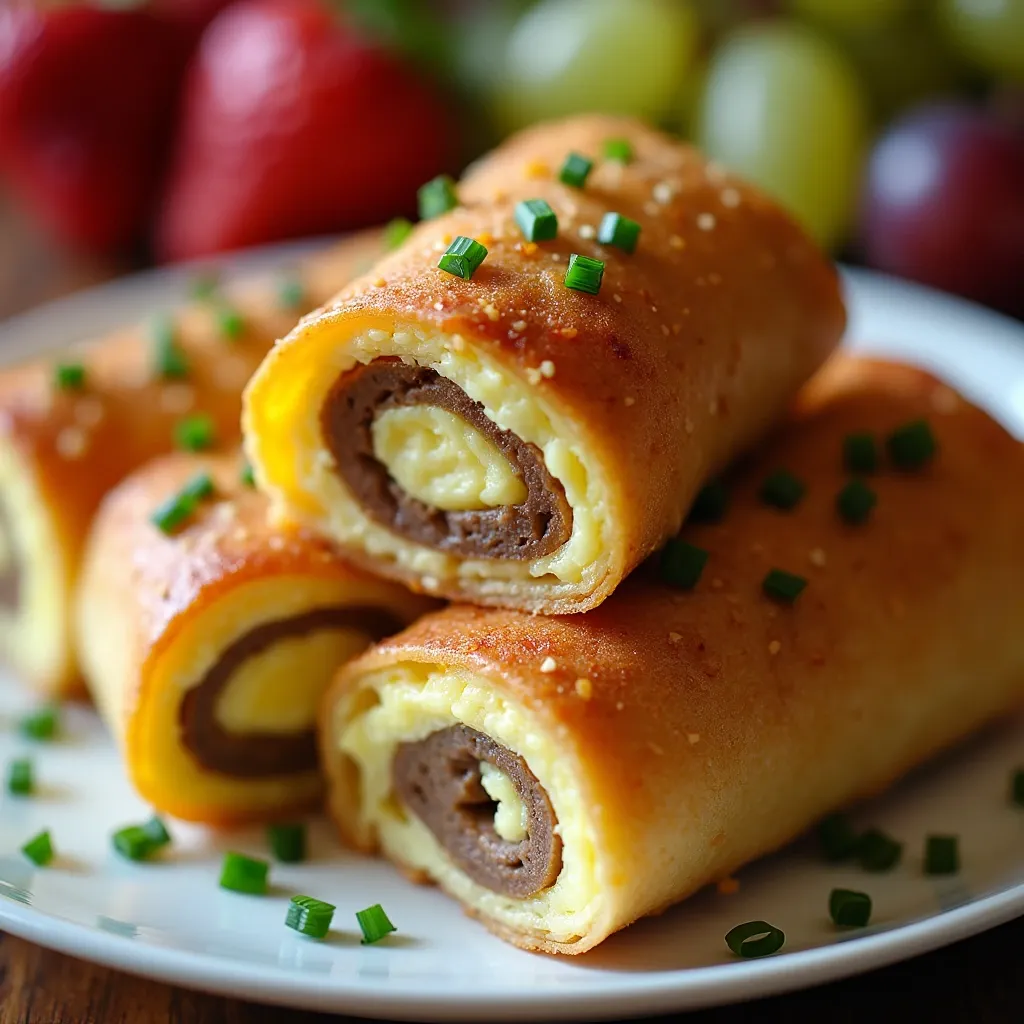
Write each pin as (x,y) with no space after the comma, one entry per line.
(87,100)
(294,125)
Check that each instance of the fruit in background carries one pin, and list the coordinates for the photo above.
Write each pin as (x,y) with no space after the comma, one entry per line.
(782,107)
(293,125)
(615,56)
(846,14)
(87,101)
(192,15)
(943,203)
(990,33)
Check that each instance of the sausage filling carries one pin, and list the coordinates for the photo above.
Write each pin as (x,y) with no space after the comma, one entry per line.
(439,780)
(530,529)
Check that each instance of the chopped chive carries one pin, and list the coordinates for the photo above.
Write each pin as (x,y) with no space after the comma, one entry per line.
(537,221)
(288,842)
(133,842)
(878,852)
(199,487)
(204,287)
(40,724)
(755,938)
(1017,787)
(194,433)
(169,361)
(230,323)
(170,514)
(436,197)
(396,231)
(618,149)
(244,874)
(374,924)
(39,849)
(246,475)
(783,586)
(681,564)
(860,453)
(575,170)
(157,832)
(619,231)
(584,274)
(837,837)
(855,502)
(711,503)
(941,855)
(20,777)
(782,490)
(291,293)
(69,376)
(462,257)
(310,916)
(912,445)
(850,908)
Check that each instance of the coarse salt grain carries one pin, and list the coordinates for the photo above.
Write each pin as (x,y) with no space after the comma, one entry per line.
(676,242)
(548,665)
(663,192)
(587,231)
(692,738)
(547,368)
(379,282)
(533,375)
(519,325)
(492,311)
(88,412)
(439,306)
(177,398)
(706,221)
(730,197)
(585,688)
(71,442)
(629,400)
(674,638)
(817,557)
(652,209)
(774,647)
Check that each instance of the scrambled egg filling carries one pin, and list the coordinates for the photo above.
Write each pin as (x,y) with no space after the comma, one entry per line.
(510,813)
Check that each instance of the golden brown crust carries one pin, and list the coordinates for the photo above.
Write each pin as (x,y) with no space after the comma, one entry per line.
(695,344)
(78,444)
(718,724)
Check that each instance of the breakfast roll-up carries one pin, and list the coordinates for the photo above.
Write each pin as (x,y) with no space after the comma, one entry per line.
(509,440)
(562,777)
(207,637)
(71,427)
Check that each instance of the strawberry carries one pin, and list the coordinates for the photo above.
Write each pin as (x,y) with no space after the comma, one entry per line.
(294,125)
(87,102)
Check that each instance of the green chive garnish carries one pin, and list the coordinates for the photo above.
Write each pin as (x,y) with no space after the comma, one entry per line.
(783,586)
(619,231)
(462,257)
(1017,787)
(912,445)
(157,831)
(169,515)
(309,916)
(837,837)
(681,564)
(755,938)
(575,170)
(194,433)
(396,231)
(782,490)
(941,855)
(20,777)
(199,487)
(169,360)
(69,376)
(855,502)
(39,849)
(40,724)
(204,287)
(584,274)
(291,293)
(618,149)
(536,220)
(860,453)
(374,924)
(140,842)
(287,842)
(230,323)
(244,874)
(850,908)
(246,475)
(436,197)
(711,503)
(877,852)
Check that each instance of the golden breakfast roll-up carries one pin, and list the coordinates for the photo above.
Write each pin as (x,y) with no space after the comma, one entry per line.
(72,426)
(562,777)
(509,440)
(208,640)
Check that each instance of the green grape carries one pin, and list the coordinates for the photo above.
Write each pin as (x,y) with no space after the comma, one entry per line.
(616,56)
(850,13)
(782,107)
(988,32)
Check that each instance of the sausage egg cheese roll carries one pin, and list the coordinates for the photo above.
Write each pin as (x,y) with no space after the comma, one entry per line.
(562,777)
(207,638)
(71,430)
(527,435)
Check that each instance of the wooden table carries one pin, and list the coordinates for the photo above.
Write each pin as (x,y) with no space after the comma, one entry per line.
(980,980)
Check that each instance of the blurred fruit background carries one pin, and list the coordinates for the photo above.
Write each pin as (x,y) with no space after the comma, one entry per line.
(138,131)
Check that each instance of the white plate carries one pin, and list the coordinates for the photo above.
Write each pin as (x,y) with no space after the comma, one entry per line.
(169,920)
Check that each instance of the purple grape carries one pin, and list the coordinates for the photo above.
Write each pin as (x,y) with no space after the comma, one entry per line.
(943,203)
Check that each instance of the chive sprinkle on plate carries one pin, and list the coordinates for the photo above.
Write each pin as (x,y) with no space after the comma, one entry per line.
(40,724)
(140,842)
(180,507)
(619,231)
(584,274)
(374,924)
(20,777)
(291,293)
(783,586)
(837,838)
(396,232)
(230,323)
(681,564)
(194,433)
(855,502)
(849,908)
(39,849)
(1017,787)
(240,873)
(941,855)
(878,852)
(782,490)
(754,939)
(69,376)
(287,842)
(309,916)
(462,258)
(620,150)
(537,221)
(575,170)
(437,196)
(711,503)
(912,445)
(860,453)
(246,475)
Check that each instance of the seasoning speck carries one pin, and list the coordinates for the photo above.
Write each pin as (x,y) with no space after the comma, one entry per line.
(547,368)
(774,647)
(817,557)
(71,443)
(730,197)
(692,738)
(629,400)
(663,192)
(587,231)
(585,688)
(519,325)
(676,242)
(548,665)
(706,221)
